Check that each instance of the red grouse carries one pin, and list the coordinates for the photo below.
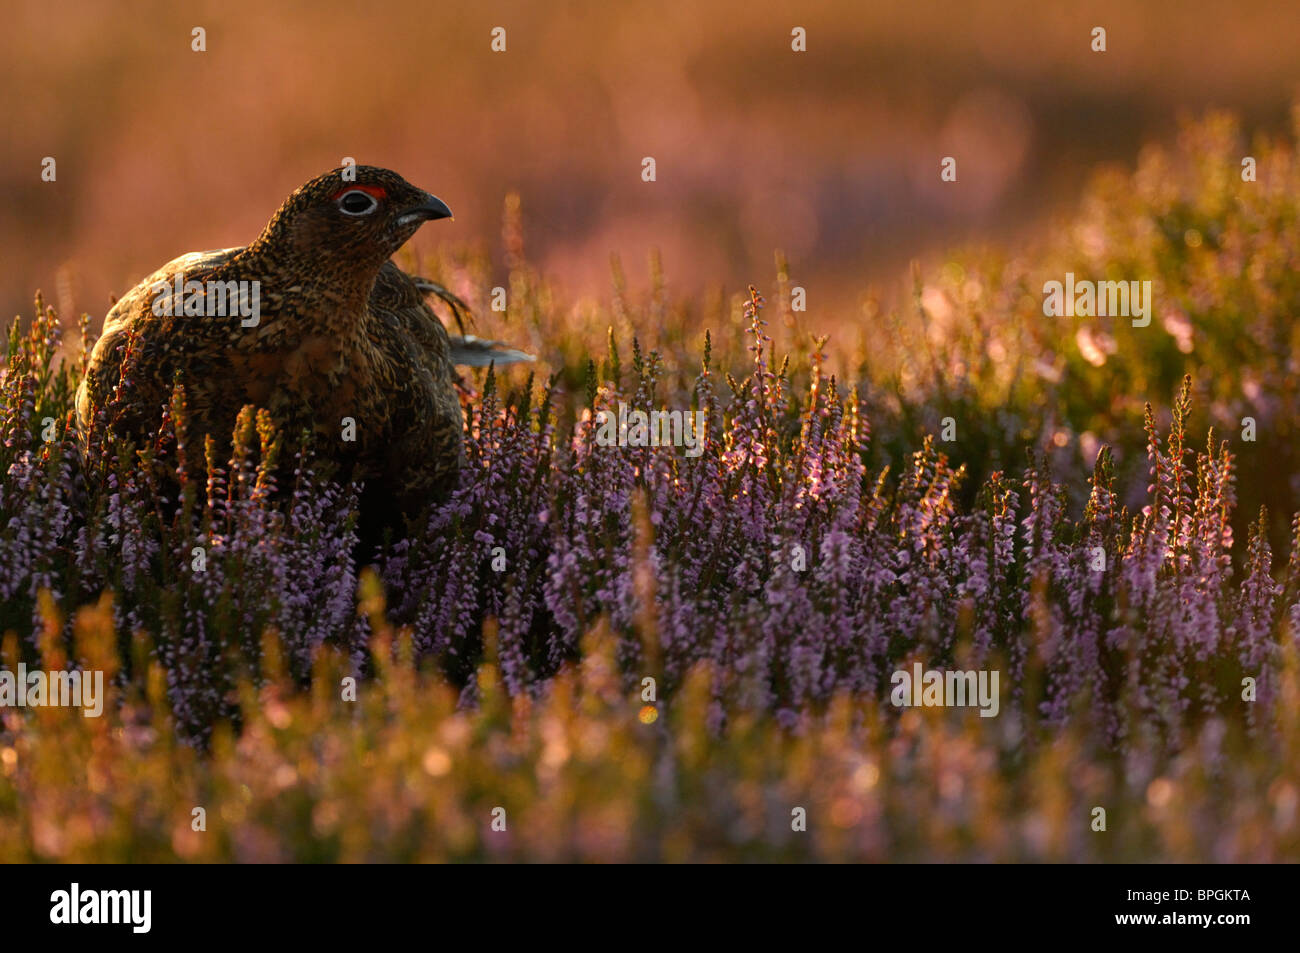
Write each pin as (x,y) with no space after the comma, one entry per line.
(312,322)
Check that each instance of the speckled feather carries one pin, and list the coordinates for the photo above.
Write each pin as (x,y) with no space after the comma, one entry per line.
(343,332)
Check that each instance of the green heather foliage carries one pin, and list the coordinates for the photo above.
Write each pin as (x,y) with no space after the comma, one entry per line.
(1117,572)
(1222,256)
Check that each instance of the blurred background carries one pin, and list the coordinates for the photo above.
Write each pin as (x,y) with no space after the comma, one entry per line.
(831,155)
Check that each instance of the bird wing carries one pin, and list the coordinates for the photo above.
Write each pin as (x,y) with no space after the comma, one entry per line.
(128,318)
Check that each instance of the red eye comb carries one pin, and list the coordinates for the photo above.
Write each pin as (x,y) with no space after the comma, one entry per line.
(376,191)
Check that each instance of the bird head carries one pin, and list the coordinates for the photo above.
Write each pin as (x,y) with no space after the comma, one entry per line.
(359,215)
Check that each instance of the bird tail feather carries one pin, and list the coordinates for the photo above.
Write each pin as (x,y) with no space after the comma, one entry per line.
(459,309)
(469,351)
(466,349)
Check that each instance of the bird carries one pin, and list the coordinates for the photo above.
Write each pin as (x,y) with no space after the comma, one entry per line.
(320,328)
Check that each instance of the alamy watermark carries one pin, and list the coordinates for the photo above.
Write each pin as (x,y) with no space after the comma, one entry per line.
(215,299)
(950,689)
(61,689)
(1117,299)
(658,428)
(131,907)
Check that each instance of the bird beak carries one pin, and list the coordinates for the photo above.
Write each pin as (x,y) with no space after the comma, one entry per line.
(431,209)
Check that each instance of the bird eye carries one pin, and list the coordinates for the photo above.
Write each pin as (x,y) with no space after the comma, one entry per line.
(356,202)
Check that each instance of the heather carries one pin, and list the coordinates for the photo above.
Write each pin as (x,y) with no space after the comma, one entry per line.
(1098,531)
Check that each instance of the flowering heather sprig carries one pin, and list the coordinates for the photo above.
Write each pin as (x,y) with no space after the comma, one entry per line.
(1255,620)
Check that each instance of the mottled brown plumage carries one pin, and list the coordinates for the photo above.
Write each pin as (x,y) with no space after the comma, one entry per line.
(342,333)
